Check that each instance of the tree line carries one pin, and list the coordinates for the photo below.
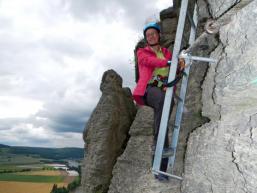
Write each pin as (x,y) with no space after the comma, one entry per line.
(71,186)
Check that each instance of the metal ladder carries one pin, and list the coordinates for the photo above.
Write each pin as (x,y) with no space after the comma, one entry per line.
(160,151)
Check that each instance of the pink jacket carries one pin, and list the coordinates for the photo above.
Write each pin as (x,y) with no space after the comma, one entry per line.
(147,62)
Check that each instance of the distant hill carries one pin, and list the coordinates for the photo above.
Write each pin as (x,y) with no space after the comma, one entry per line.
(48,153)
(3,146)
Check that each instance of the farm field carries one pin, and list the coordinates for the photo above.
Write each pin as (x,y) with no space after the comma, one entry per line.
(17,168)
(40,181)
(36,169)
(30,178)
(42,173)
(27,187)
(20,162)
(19,159)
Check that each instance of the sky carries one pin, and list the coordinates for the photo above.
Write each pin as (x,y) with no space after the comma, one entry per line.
(53,55)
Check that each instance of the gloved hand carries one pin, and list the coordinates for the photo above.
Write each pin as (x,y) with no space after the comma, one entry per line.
(181,64)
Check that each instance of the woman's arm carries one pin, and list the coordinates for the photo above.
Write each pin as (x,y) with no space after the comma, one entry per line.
(149,59)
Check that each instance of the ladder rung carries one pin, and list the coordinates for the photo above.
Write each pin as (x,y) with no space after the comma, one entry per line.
(191,20)
(176,126)
(167,174)
(185,74)
(172,125)
(167,152)
(177,97)
(198,58)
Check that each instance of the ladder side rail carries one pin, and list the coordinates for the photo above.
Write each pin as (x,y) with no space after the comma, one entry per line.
(169,92)
(181,103)
(178,118)
(191,20)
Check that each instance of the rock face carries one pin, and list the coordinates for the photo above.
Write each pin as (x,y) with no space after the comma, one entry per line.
(221,155)
(217,147)
(218,7)
(106,133)
(132,172)
(169,20)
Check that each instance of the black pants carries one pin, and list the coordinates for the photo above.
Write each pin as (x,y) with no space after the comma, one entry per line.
(155,98)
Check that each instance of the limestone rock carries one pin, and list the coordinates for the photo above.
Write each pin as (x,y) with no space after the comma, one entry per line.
(168,13)
(106,133)
(132,172)
(169,27)
(203,12)
(218,7)
(221,155)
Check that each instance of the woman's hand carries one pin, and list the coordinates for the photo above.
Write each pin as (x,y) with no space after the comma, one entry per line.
(181,64)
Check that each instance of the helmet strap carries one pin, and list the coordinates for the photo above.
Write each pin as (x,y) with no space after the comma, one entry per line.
(154,44)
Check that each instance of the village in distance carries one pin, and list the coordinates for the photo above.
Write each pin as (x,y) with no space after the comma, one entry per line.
(41,170)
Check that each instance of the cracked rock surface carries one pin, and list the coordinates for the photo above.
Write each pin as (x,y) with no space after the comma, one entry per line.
(106,133)
(132,172)
(218,7)
(221,155)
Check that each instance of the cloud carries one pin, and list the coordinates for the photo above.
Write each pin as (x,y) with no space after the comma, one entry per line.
(65,117)
(18,107)
(132,12)
(7,123)
(28,135)
(66,46)
(53,55)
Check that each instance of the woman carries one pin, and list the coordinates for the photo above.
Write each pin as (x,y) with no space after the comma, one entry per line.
(153,74)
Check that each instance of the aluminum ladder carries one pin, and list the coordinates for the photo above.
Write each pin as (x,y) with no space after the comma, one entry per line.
(159,150)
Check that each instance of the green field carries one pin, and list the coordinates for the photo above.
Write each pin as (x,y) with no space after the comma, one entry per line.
(20,167)
(8,167)
(7,153)
(14,163)
(20,159)
(23,169)
(30,178)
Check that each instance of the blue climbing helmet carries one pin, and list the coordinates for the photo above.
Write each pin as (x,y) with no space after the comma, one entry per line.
(153,25)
